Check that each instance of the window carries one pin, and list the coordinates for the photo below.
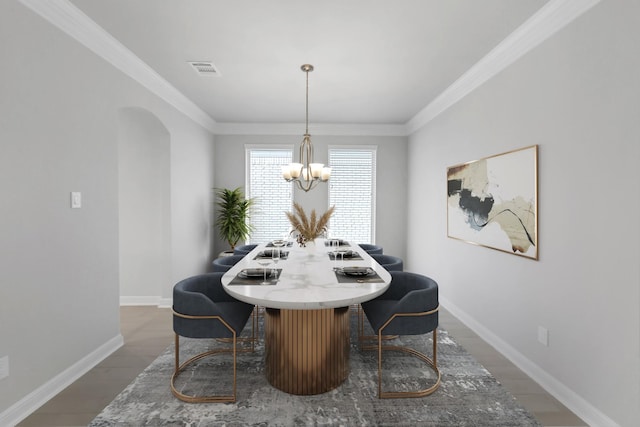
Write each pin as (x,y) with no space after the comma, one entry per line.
(273,195)
(352,190)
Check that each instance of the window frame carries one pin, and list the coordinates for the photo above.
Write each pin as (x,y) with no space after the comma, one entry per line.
(373,149)
(247,174)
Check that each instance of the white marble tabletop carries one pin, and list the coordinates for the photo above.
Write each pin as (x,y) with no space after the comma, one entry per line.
(308,281)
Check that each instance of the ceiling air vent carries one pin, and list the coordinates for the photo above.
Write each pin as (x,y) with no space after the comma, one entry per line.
(204,68)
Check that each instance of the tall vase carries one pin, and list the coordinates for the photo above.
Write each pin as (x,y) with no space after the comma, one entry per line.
(310,247)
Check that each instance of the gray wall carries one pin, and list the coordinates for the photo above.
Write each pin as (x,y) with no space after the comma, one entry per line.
(390,178)
(59,277)
(144,202)
(576,96)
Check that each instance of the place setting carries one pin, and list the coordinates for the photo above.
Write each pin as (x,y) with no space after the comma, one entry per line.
(340,250)
(357,274)
(344,254)
(336,242)
(262,276)
(269,253)
(279,243)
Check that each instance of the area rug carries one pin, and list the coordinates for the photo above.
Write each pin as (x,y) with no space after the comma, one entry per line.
(468,395)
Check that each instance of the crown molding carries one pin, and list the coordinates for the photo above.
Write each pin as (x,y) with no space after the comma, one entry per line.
(326,129)
(64,15)
(552,17)
(67,17)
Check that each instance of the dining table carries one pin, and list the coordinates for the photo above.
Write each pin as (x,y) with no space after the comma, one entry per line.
(306,298)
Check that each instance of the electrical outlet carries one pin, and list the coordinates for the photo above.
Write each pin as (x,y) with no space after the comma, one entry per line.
(543,336)
(4,367)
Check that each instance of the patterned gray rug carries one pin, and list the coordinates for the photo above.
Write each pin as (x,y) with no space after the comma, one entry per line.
(468,395)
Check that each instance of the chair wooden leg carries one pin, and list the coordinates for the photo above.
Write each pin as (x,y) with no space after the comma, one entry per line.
(180,368)
(435,347)
(255,333)
(234,366)
(360,325)
(177,351)
(432,363)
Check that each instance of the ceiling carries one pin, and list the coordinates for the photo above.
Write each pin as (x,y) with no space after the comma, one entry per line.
(376,61)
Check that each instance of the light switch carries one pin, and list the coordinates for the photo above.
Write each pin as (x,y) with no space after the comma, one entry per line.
(76,199)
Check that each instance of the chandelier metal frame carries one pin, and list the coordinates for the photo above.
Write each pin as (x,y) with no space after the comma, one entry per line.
(306,174)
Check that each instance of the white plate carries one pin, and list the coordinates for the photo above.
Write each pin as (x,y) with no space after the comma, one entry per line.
(356,271)
(254,273)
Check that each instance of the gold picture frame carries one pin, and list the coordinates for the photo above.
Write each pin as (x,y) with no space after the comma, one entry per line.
(493,202)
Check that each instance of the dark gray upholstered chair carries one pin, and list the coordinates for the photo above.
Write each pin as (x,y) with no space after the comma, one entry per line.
(389,262)
(244,249)
(224,263)
(409,307)
(371,249)
(202,309)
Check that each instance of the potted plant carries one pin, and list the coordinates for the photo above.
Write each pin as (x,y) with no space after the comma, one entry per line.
(234,211)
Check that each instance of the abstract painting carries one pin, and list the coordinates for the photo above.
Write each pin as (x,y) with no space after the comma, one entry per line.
(492,202)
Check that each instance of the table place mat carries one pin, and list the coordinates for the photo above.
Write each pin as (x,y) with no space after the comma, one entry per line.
(340,242)
(354,256)
(273,279)
(263,255)
(371,278)
(287,245)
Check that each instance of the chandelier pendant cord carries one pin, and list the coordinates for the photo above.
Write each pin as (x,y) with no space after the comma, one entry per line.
(307,107)
(306,174)
(306,149)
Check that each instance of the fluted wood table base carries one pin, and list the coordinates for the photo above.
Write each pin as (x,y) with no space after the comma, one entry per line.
(307,351)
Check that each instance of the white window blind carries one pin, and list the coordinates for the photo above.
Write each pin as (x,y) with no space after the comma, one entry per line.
(352,189)
(273,195)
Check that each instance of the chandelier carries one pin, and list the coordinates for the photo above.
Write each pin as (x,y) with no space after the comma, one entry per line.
(306,174)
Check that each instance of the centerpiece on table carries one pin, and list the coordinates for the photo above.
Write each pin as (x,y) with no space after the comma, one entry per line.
(310,227)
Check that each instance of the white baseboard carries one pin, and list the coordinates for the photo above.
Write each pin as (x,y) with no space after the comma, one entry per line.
(591,415)
(148,300)
(136,300)
(165,302)
(31,402)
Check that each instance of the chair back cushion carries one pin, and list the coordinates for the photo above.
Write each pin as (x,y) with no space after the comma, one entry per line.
(203,295)
(390,263)
(223,264)
(244,249)
(408,293)
(371,249)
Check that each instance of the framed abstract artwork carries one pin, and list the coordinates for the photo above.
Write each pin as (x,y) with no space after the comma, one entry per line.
(493,202)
